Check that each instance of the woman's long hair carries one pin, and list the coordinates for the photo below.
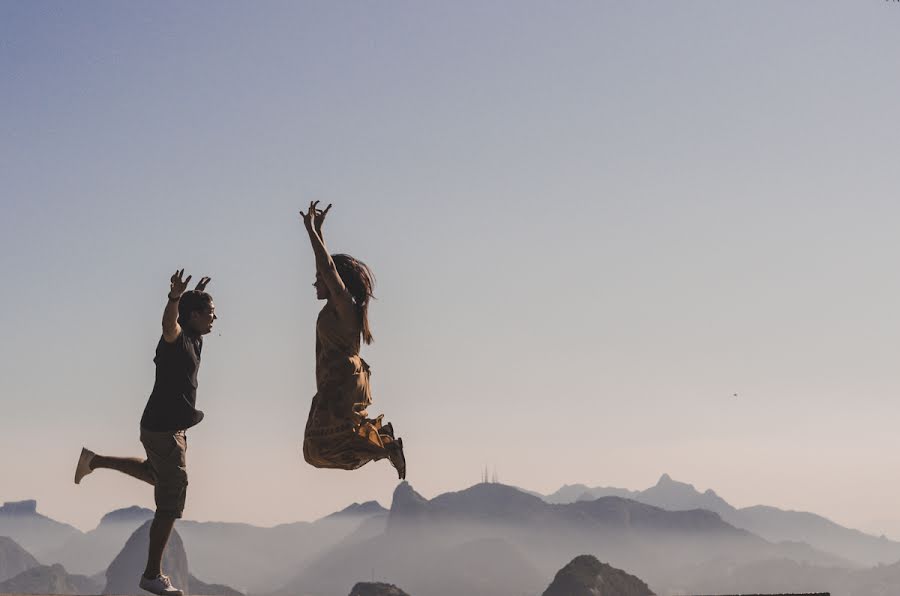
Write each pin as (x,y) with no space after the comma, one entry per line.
(360,282)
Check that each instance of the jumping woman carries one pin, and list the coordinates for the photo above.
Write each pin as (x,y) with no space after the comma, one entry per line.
(339,433)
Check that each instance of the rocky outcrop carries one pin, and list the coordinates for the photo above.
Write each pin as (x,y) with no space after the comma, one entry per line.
(14,559)
(586,576)
(53,579)
(376,589)
(408,506)
(125,571)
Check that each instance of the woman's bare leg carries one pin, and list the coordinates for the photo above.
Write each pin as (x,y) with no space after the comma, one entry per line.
(134,467)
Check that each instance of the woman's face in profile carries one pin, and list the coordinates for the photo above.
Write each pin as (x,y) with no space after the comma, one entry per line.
(321,288)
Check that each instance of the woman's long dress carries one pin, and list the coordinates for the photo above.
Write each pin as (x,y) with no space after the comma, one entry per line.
(339,433)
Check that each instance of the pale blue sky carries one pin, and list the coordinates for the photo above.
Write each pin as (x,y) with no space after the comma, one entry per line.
(591,223)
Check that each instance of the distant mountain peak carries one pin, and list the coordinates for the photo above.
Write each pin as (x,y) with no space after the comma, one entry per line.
(666,481)
(367,508)
(407,506)
(127,514)
(406,498)
(19,507)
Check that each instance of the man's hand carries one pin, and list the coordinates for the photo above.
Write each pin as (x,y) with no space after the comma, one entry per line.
(201,285)
(178,286)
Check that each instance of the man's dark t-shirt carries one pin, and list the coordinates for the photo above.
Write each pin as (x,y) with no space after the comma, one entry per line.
(172,403)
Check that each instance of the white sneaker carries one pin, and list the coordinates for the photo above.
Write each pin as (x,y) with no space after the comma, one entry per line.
(84,464)
(160,585)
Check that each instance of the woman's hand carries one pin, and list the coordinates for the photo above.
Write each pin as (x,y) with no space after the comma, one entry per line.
(320,218)
(314,217)
(309,216)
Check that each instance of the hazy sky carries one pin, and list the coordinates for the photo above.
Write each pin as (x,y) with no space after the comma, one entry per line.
(592,223)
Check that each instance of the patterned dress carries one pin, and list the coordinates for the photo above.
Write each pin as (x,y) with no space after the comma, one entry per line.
(339,433)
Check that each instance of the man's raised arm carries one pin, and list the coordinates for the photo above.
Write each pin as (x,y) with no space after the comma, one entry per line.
(170,327)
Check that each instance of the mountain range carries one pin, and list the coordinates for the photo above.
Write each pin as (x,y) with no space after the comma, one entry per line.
(495,540)
(49,579)
(489,539)
(20,521)
(771,523)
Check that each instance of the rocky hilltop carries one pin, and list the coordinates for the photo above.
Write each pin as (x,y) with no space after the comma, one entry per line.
(586,576)
(124,572)
(376,589)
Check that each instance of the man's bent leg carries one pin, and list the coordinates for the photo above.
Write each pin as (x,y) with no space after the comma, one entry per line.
(137,468)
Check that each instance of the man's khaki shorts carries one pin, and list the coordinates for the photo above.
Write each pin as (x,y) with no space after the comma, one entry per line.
(166,460)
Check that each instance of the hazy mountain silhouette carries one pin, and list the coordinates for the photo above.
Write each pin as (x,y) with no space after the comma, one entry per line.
(251,557)
(431,546)
(127,515)
(34,532)
(49,579)
(359,509)
(586,576)
(195,586)
(491,540)
(781,575)
(487,567)
(14,559)
(92,551)
(569,493)
(771,523)
(125,571)
(255,559)
(376,589)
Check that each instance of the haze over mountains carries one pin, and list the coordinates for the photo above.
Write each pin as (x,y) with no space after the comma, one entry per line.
(489,539)
(14,559)
(771,523)
(35,532)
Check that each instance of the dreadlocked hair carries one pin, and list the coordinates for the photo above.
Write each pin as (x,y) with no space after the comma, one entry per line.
(360,281)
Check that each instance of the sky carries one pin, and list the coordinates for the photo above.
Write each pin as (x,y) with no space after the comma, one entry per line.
(591,223)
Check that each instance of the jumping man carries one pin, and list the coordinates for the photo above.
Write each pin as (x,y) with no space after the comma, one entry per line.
(170,411)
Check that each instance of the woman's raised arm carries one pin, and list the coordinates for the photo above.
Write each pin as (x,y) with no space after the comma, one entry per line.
(312,220)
